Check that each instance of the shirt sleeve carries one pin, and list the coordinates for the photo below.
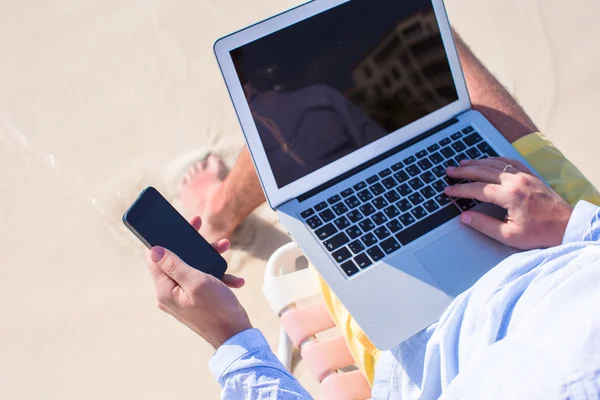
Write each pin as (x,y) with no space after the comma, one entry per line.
(584,225)
(246,368)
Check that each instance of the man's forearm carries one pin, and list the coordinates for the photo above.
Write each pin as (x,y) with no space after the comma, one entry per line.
(490,98)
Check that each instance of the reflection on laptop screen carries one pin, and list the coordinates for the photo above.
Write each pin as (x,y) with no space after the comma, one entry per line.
(327,86)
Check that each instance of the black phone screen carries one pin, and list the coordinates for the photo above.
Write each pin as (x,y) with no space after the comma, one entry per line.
(156,223)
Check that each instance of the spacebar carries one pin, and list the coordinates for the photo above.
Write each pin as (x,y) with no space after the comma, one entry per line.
(427,225)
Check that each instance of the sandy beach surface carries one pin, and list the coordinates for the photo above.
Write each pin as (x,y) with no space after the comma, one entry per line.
(98,96)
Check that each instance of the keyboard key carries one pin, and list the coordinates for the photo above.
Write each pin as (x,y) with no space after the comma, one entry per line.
(416,199)
(460,157)
(468,129)
(398,166)
(413,170)
(365,195)
(419,212)
(431,206)
(390,245)
(349,268)
(367,209)
(327,215)
(391,212)
(336,241)
(433,147)
(487,149)
(342,255)
(385,172)
(466,204)
(307,213)
(459,146)
(442,199)
(321,206)
(410,160)
(445,142)
(450,163)
(448,152)
(314,222)
(425,164)
(439,186)
(381,232)
(380,203)
(356,247)
(401,176)
(363,261)
(372,179)
(439,171)
(392,196)
(473,153)
(369,239)
(427,177)
(473,139)
(428,192)
(379,219)
(347,192)
(407,219)
(404,205)
(352,202)
(416,184)
(404,190)
(342,223)
(354,232)
(366,225)
(375,253)
(428,224)
(334,199)
(377,189)
(422,154)
(450,181)
(456,136)
(326,231)
(360,186)
(354,216)
(436,158)
(389,183)
(340,209)
(394,226)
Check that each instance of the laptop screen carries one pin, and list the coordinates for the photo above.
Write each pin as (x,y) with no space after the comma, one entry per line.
(329,85)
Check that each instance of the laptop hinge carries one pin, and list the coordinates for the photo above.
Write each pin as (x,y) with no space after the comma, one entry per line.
(375,160)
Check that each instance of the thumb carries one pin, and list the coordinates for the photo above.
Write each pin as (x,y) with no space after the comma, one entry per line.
(172,266)
(485,224)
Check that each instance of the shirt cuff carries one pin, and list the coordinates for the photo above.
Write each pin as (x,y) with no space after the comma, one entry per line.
(234,349)
(579,222)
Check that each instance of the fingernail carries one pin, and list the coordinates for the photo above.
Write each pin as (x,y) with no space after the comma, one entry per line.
(466,219)
(157,254)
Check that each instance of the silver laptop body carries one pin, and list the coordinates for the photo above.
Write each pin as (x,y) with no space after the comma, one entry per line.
(352,110)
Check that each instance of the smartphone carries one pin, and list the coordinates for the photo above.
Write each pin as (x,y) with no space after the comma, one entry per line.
(153,220)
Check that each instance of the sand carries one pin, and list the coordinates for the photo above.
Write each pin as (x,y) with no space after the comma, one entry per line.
(97,97)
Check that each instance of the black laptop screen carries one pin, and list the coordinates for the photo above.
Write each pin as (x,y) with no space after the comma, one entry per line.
(325,87)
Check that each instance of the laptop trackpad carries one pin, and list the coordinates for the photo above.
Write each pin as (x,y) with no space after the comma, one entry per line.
(459,259)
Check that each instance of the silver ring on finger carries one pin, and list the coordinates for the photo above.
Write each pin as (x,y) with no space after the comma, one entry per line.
(508,166)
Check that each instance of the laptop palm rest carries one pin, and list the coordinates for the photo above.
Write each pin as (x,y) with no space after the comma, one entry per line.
(459,259)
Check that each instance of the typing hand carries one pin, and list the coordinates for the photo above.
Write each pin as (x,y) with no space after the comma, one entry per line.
(537,216)
(200,301)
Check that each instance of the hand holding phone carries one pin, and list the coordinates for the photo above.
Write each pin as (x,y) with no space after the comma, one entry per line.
(153,220)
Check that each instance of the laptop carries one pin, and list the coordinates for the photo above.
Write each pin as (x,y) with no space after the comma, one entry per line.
(352,111)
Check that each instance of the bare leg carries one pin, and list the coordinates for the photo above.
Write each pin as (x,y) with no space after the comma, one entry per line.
(224,204)
(491,99)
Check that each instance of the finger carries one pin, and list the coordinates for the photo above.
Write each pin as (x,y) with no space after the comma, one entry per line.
(487,225)
(233,282)
(486,192)
(492,163)
(181,273)
(222,246)
(196,222)
(479,173)
(517,164)
(163,285)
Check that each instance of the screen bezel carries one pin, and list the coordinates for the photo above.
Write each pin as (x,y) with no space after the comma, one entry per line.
(277,196)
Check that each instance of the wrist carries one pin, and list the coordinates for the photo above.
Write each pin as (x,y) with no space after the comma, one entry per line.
(226,332)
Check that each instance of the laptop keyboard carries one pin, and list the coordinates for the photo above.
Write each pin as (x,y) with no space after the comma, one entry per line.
(374,218)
